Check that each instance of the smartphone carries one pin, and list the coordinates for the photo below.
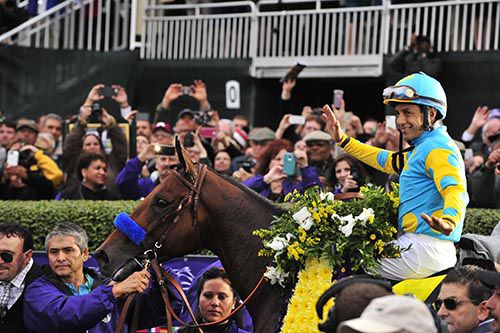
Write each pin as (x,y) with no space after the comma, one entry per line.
(390,122)
(108,91)
(13,158)
(164,150)
(186,90)
(289,164)
(208,132)
(296,120)
(188,140)
(338,96)
(293,73)
(468,154)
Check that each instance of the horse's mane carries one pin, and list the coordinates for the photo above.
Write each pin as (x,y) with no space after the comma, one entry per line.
(251,193)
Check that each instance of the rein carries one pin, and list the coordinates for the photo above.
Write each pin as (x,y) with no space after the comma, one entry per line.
(191,200)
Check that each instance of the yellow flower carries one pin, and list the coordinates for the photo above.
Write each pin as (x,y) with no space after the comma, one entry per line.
(342,270)
(371,219)
(316,216)
(303,235)
(373,237)
(295,251)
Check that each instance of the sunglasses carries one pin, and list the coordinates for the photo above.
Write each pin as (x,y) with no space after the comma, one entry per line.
(316,143)
(6,256)
(452,303)
(405,93)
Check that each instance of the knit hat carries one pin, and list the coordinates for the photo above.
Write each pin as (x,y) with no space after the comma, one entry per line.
(241,137)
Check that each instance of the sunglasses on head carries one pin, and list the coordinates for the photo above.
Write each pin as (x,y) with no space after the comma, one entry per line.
(316,143)
(405,93)
(451,303)
(6,256)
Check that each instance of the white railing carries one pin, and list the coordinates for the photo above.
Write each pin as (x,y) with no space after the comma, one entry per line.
(92,25)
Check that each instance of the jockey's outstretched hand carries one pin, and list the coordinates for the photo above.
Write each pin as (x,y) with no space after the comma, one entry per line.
(332,124)
(438,224)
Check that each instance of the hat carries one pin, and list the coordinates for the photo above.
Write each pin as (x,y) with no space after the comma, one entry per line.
(317,136)
(392,313)
(26,123)
(241,137)
(491,279)
(494,113)
(261,134)
(185,112)
(162,126)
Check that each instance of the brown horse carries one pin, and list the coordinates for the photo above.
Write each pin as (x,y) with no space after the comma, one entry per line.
(196,208)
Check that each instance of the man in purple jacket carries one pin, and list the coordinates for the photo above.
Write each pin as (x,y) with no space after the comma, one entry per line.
(71,298)
(129,180)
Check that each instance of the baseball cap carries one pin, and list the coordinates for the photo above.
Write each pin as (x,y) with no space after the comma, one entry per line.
(389,314)
(491,279)
(162,126)
(185,112)
(317,136)
(26,123)
(261,134)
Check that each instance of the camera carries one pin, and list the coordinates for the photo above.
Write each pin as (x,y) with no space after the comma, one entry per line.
(188,140)
(108,91)
(96,115)
(186,90)
(201,117)
(164,150)
(246,165)
(356,177)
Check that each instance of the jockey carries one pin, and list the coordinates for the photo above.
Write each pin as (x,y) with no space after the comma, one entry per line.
(433,192)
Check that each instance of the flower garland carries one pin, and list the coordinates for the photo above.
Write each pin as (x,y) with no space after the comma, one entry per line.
(314,279)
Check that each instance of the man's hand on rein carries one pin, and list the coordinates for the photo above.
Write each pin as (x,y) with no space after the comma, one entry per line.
(135,283)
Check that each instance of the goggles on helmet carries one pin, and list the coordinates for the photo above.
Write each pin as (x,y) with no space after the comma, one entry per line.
(405,94)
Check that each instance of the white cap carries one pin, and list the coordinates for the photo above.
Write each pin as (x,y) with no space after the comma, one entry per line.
(391,314)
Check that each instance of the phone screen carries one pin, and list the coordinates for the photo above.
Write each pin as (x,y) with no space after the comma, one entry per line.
(338,95)
(390,122)
(289,164)
(13,158)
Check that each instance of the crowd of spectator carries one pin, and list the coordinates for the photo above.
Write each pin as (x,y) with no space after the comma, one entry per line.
(92,161)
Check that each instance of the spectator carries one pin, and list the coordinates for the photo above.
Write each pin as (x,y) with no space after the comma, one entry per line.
(492,279)
(128,182)
(197,90)
(143,127)
(489,122)
(28,179)
(319,153)
(216,299)
(222,163)
(370,127)
(79,140)
(141,142)
(17,271)
(91,170)
(162,134)
(462,301)
(52,123)
(311,123)
(197,151)
(79,299)
(225,139)
(271,182)
(241,122)
(392,314)
(27,131)
(259,140)
(485,182)
(7,133)
(416,57)
(349,175)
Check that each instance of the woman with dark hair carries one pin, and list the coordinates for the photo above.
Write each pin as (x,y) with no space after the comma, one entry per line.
(270,180)
(349,175)
(92,169)
(216,299)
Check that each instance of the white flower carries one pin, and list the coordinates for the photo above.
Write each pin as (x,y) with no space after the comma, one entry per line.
(326,195)
(275,275)
(365,215)
(349,221)
(277,244)
(303,218)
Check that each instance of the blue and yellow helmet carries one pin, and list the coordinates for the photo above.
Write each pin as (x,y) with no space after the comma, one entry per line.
(418,88)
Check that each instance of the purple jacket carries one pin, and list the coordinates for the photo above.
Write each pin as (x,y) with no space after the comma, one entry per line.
(130,184)
(49,306)
(309,178)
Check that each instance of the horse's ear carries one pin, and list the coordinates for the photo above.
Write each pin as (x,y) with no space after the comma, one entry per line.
(185,160)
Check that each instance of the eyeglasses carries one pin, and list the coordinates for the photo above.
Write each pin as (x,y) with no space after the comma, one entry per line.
(452,303)
(6,256)
(316,143)
(405,93)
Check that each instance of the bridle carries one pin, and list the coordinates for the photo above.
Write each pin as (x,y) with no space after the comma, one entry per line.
(190,200)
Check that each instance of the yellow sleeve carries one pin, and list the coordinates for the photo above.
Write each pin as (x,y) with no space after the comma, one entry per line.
(444,167)
(380,159)
(49,168)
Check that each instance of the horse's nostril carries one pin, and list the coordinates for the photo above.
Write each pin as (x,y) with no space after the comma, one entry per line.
(102,257)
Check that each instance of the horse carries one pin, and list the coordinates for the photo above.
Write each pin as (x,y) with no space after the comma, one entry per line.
(195,208)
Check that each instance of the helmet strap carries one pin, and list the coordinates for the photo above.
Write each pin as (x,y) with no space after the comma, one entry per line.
(425,111)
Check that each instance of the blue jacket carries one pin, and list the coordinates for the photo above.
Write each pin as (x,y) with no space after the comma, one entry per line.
(309,178)
(49,306)
(130,184)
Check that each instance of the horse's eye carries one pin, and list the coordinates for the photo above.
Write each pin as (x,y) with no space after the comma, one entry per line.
(162,203)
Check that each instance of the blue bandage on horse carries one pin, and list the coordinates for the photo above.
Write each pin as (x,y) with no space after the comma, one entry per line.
(130,228)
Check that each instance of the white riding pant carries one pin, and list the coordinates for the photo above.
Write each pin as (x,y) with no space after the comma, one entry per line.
(427,255)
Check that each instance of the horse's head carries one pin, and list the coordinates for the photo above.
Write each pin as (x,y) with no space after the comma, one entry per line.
(169,220)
